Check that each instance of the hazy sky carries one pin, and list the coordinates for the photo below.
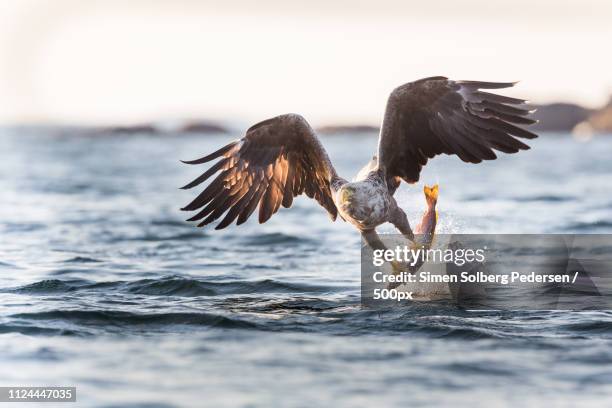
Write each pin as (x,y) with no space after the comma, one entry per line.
(129,61)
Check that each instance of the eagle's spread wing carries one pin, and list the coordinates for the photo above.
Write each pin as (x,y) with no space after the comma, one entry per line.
(276,160)
(436,115)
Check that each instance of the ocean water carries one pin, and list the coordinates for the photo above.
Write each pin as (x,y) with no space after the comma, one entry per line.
(103,286)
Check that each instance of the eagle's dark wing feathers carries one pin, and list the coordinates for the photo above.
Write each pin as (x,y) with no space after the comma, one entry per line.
(276,160)
(437,115)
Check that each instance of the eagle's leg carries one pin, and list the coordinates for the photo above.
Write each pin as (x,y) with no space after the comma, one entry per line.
(373,240)
(399,219)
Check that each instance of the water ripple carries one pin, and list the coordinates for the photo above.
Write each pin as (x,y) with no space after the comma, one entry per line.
(113,318)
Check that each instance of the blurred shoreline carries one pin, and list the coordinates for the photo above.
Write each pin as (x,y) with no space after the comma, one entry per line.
(557,117)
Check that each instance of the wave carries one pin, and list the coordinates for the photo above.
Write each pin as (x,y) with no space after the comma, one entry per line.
(550,198)
(590,327)
(274,238)
(30,330)
(595,226)
(169,223)
(82,259)
(174,286)
(67,271)
(50,286)
(476,197)
(478,368)
(111,317)
(179,286)
(152,237)
(23,227)
(547,198)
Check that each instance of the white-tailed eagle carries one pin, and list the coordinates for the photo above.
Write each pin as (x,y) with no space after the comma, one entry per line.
(281,158)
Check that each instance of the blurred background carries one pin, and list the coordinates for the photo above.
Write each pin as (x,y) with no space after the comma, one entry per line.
(116,62)
(104,286)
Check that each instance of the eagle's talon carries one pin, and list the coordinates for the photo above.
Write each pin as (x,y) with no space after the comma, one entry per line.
(398,267)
